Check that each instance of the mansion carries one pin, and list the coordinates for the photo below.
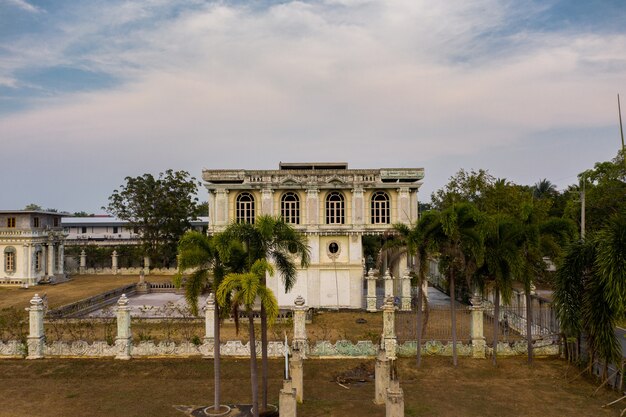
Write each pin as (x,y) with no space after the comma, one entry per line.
(333,206)
(32,245)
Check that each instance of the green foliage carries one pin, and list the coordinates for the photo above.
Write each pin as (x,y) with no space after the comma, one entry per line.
(33,207)
(161,208)
(462,187)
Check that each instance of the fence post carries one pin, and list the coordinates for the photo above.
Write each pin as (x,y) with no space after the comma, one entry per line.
(123,341)
(146,264)
(36,336)
(209,319)
(114,262)
(299,325)
(389,332)
(83,262)
(371,291)
(388,284)
(295,369)
(287,399)
(395,399)
(381,377)
(405,300)
(478,338)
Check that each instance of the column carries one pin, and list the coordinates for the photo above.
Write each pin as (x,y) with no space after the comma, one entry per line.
(478,338)
(209,319)
(297,376)
(312,206)
(36,336)
(395,400)
(27,263)
(381,378)
(146,264)
(404,205)
(123,341)
(358,206)
(287,400)
(267,201)
(50,268)
(299,325)
(388,284)
(371,291)
(389,332)
(405,298)
(221,207)
(114,262)
(83,262)
(61,269)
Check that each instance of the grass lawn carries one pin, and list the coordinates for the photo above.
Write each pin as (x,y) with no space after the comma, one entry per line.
(57,387)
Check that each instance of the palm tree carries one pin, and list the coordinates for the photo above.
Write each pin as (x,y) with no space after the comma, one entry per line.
(197,253)
(274,240)
(243,291)
(503,238)
(456,234)
(590,293)
(544,189)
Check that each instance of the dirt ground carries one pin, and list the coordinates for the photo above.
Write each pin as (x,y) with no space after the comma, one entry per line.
(57,387)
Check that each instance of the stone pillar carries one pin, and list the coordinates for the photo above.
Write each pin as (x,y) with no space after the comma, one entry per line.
(146,264)
(358,206)
(209,319)
(36,336)
(287,400)
(405,297)
(123,341)
(388,284)
(61,259)
(142,286)
(381,378)
(299,325)
(371,291)
(395,400)
(267,201)
(50,269)
(389,332)
(28,264)
(404,205)
(114,262)
(478,338)
(83,262)
(297,375)
(220,215)
(312,206)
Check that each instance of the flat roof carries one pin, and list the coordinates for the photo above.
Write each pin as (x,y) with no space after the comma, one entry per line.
(109,221)
(313,165)
(32,212)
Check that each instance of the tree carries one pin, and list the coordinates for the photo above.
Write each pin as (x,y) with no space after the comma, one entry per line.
(269,239)
(590,293)
(462,187)
(33,207)
(197,253)
(160,208)
(544,189)
(243,290)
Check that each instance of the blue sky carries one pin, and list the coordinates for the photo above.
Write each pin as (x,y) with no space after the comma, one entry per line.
(93,91)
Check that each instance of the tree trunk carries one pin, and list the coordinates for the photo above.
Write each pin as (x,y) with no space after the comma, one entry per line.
(496,322)
(419,325)
(264,371)
(453,318)
(253,371)
(216,357)
(529,323)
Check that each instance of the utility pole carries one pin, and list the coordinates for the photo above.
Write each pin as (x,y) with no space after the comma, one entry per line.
(621,130)
(582,210)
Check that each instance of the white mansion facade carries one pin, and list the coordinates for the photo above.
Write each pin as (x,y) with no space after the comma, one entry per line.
(332,205)
(32,244)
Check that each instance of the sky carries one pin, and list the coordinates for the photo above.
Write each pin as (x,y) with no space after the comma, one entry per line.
(93,91)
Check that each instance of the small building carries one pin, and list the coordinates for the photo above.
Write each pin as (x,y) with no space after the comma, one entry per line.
(332,205)
(32,245)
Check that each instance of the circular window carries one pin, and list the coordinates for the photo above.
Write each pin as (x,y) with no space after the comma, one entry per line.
(333,248)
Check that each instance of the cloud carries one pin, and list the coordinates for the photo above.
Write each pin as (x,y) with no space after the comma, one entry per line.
(24,5)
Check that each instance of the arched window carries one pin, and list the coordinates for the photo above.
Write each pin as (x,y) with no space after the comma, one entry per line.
(245,208)
(380,208)
(290,208)
(38,260)
(9,259)
(335,208)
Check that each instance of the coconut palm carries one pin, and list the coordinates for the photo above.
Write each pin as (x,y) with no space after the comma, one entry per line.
(274,240)
(243,289)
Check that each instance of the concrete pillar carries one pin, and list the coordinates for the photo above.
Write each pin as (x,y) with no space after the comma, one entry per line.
(83,262)
(381,378)
(389,331)
(395,400)
(36,336)
(50,269)
(388,283)
(123,341)
(404,205)
(267,201)
(287,400)
(405,295)
(114,262)
(299,325)
(146,264)
(312,206)
(220,215)
(358,206)
(209,319)
(61,259)
(371,291)
(297,375)
(476,330)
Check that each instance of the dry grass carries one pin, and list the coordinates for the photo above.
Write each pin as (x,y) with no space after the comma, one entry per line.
(151,387)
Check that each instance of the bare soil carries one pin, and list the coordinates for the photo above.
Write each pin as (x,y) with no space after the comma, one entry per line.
(59,388)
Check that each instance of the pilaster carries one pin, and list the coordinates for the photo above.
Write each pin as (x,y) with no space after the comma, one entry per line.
(404,205)
(312,206)
(267,201)
(358,206)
